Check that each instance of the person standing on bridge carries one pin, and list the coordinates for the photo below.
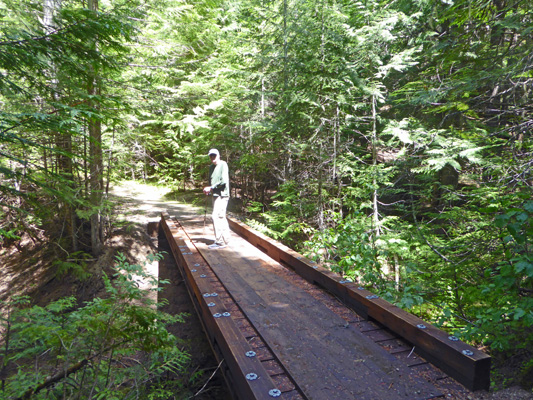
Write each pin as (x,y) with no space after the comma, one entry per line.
(219,188)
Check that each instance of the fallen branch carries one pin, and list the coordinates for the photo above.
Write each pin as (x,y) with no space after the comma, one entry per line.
(209,380)
(54,379)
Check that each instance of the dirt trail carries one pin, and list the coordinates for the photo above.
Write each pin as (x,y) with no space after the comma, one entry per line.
(141,207)
(145,202)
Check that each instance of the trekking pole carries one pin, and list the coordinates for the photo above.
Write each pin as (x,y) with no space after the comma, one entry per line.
(205,212)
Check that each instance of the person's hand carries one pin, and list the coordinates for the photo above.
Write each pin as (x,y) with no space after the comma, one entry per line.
(207,190)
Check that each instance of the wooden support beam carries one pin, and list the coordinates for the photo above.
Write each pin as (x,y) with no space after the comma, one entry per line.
(245,374)
(466,364)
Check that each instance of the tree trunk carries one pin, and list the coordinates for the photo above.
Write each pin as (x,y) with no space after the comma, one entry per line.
(63,141)
(375,214)
(50,8)
(96,160)
(321,225)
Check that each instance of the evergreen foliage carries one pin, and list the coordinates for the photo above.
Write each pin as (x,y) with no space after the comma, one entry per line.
(388,139)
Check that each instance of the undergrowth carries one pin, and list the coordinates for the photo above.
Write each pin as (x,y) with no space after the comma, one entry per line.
(114,347)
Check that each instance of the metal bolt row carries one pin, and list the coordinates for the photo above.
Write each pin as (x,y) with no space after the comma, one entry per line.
(224,314)
(251,376)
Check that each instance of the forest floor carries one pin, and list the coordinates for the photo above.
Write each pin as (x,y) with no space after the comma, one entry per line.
(29,270)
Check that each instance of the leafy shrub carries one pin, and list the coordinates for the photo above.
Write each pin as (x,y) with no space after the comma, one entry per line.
(8,235)
(286,220)
(112,348)
(505,317)
(348,249)
(76,265)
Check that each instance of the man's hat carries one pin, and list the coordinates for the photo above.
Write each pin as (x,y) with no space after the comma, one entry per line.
(213,151)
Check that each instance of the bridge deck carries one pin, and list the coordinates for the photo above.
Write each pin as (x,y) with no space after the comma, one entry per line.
(315,352)
(327,357)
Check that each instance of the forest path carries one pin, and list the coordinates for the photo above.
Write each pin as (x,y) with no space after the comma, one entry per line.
(145,202)
(29,271)
(142,205)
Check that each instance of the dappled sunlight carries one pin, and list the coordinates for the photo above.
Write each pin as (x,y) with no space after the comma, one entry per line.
(145,205)
(147,202)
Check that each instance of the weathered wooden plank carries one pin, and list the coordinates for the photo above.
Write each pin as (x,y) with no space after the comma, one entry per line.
(464,363)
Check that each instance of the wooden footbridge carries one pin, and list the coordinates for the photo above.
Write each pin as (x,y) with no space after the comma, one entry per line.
(287,328)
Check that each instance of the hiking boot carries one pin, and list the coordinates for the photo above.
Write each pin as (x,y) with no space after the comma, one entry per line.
(215,246)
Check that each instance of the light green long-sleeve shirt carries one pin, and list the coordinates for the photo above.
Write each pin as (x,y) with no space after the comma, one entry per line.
(219,179)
